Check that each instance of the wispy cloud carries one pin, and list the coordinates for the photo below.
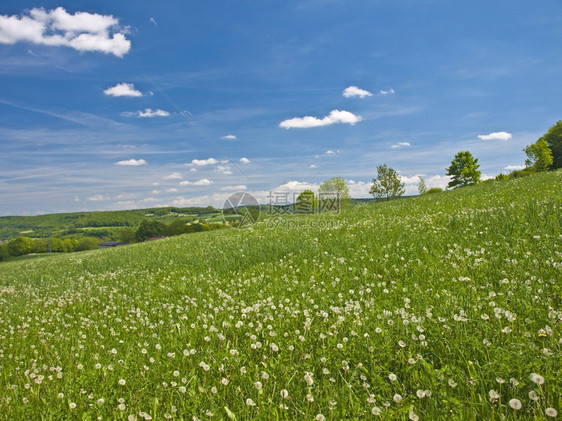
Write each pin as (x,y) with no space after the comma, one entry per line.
(202,182)
(234,188)
(355,91)
(98,198)
(148,112)
(336,116)
(123,89)
(245,160)
(132,162)
(229,137)
(495,136)
(81,31)
(401,145)
(153,21)
(389,91)
(203,162)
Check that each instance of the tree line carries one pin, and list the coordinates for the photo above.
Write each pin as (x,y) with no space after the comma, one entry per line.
(543,155)
(22,246)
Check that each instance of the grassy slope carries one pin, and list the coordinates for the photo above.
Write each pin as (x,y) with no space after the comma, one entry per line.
(442,262)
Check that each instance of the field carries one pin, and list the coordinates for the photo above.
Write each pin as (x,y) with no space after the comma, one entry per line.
(443,306)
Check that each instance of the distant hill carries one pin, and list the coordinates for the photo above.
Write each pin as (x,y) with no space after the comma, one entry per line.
(100,223)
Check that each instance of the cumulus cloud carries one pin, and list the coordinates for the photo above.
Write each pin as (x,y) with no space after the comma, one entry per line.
(223,169)
(203,162)
(383,92)
(229,137)
(495,136)
(123,89)
(401,145)
(355,91)
(336,116)
(132,162)
(82,31)
(514,167)
(296,186)
(245,160)
(202,182)
(173,176)
(148,112)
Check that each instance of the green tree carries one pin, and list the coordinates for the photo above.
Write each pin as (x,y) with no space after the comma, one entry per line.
(333,194)
(387,185)
(147,229)
(20,246)
(422,187)
(127,235)
(539,156)
(87,243)
(177,227)
(57,245)
(554,139)
(4,254)
(39,245)
(306,202)
(69,245)
(463,170)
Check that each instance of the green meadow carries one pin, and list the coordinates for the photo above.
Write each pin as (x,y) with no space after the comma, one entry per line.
(442,306)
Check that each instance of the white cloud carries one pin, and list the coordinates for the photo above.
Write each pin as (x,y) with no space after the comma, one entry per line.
(122,89)
(202,182)
(296,186)
(233,188)
(383,92)
(355,91)
(82,31)
(173,176)
(495,136)
(193,170)
(330,152)
(98,198)
(203,162)
(153,21)
(336,116)
(313,166)
(401,145)
(148,112)
(359,188)
(245,160)
(514,167)
(172,190)
(223,169)
(155,191)
(132,162)
(229,137)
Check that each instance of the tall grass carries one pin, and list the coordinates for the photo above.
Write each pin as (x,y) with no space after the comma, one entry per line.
(437,307)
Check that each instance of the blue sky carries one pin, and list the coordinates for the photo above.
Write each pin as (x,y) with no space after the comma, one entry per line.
(118,105)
